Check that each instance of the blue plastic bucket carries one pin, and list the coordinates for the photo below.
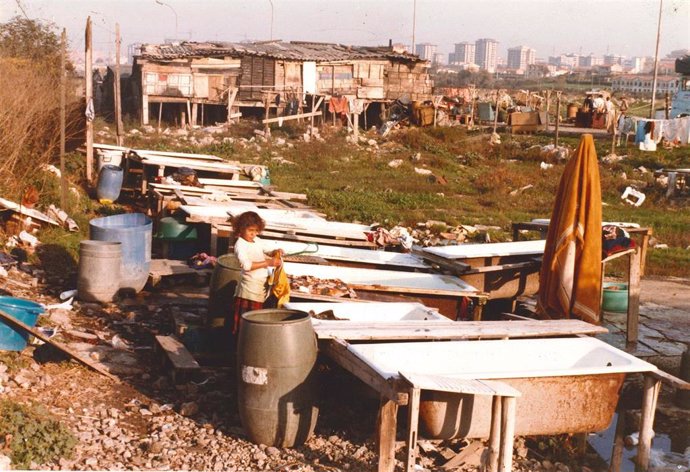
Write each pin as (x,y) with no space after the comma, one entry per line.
(133,230)
(109,183)
(27,312)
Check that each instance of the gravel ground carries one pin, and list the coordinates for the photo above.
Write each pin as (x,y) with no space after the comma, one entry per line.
(147,423)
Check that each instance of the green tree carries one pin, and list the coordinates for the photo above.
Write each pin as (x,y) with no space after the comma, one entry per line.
(32,40)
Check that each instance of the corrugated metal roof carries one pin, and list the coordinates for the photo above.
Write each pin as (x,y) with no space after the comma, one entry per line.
(298,51)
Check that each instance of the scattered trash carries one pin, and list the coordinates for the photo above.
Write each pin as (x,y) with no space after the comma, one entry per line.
(66,305)
(3,272)
(521,189)
(638,197)
(422,171)
(316,286)
(69,294)
(118,343)
(661,246)
(395,163)
(495,138)
(642,169)
(545,166)
(53,170)
(417,157)
(611,158)
(47,332)
(62,217)
(29,239)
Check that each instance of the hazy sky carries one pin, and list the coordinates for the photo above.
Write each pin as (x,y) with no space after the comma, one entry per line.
(626,27)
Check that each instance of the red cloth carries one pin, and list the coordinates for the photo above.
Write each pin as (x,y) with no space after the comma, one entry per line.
(338,105)
(242,306)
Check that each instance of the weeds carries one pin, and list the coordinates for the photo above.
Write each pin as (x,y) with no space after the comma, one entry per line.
(29,435)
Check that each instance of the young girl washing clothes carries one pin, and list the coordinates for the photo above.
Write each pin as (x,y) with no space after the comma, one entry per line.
(252,290)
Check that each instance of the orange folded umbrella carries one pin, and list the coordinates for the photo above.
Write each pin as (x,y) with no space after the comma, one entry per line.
(570,277)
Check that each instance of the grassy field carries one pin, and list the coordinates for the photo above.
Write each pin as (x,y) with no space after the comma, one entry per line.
(352,182)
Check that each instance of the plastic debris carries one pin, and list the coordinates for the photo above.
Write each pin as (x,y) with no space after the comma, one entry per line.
(395,163)
(637,197)
(545,166)
(68,294)
(422,171)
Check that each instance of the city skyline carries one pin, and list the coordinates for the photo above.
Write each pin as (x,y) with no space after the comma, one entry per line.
(625,28)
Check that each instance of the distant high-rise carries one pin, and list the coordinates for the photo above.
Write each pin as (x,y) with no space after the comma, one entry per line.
(133,49)
(439,59)
(464,53)
(589,61)
(425,51)
(520,57)
(486,50)
(611,59)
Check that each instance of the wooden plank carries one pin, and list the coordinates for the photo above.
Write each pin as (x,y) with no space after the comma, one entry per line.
(495,435)
(338,351)
(650,396)
(451,330)
(669,379)
(412,428)
(386,428)
(11,321)
(508,407)
(633,315)
(440,383)
(177,353)
(291,117)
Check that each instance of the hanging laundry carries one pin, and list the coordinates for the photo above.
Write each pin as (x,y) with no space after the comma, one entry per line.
(338,105)
(639,136)
(356,105)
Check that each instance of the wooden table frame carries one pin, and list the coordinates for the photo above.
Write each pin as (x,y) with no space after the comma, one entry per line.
(398,392)
(642,233)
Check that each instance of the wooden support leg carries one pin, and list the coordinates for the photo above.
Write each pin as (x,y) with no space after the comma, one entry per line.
(494,435)
(649,399)
(618,444)
(214,240)
(388,412)
(633,297)
(507,433)
(412,428)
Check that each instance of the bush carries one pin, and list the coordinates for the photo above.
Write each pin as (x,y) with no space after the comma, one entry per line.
(29,435)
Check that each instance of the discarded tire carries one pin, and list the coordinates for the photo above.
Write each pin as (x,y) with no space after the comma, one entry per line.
(276,388)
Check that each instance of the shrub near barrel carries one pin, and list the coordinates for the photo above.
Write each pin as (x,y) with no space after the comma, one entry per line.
(276,389)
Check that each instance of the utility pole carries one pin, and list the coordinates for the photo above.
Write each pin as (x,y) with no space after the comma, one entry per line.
(656,61)
(414,24)
(118,100)
(63,87)
(88,87)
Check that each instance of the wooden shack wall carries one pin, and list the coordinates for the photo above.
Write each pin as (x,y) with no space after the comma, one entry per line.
(257,74)
(288,76)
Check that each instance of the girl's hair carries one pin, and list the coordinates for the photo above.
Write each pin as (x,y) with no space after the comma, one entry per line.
(244,221)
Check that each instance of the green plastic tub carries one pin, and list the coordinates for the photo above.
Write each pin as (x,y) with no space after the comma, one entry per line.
(615,297)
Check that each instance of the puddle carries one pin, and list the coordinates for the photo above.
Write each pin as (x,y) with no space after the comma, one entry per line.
(602,443)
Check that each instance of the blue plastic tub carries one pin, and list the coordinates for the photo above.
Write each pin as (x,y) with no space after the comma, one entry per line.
(27,312)
(133,230)
(109,183)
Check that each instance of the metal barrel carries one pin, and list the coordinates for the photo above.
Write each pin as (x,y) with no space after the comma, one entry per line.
(224,279)
(99,270)
(133,230)
(276,378)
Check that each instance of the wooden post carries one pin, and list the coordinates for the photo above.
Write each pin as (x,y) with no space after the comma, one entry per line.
(63,91)
(118,100)
(507,433)
(160,115)
(412,427)
(355,124)
(195,113)
(498,93)
(558,115)
(618,443)
(470,122)
(495,434)
(613,136)
(387,425)
(88,90)
(232,94)
(311,129)
(202,114)
(548,104)
(145,109)
(649,399)
(189,114)
(633,297)
(267,104)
